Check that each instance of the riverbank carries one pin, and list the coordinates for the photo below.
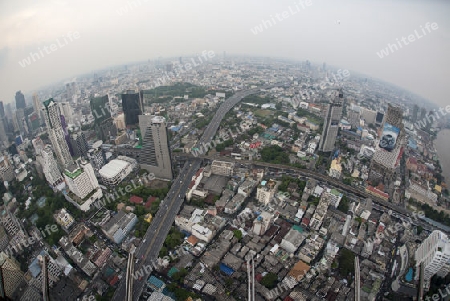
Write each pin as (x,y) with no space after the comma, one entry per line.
(442,146)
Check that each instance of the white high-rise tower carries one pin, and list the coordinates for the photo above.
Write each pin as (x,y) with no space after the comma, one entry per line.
(55,131)
(434,253)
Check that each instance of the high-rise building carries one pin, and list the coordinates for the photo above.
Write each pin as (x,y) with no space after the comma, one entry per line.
(97,156)
(79,144)
(155,157)
(104,123)
(56,133)
(434,254)
(3,137)
(415,113)
(11,275)
(37,107)
(423,113)
(50,168)
(331,123)
(66,111)
(83,184)
(2,110)
(390,147)
(20,119)
(132,107)
(20,100)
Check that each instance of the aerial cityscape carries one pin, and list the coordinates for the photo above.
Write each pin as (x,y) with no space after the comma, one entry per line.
(220,172)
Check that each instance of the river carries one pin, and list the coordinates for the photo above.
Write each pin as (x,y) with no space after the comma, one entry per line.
(442,145)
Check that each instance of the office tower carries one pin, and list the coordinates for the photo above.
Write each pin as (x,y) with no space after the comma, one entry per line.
(155,157)
(2,110)
(20,120)
(11,275)
(434,254)
(50,167)
(97,156)
(379,119)
(56,133)
(79,144)
(415,113)
(37,108)
(423,113)
(104,123)
(67,112)
(390,147)
(132,107)
(71,91)
(20,100)
(3,137)
(331,123)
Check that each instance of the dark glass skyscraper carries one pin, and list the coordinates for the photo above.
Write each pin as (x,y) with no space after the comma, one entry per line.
(104,125)
(132,107)
(20,100)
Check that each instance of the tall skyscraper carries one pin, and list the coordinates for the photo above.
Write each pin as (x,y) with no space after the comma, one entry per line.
(434,254)
(11,275)
(415,113)
(2,110)
(104,123)
(390,147)
(155,157)
(51,171)
(56,133)
(132,107)
(331,123)
(79,144)
(3,137)
(37,107)
(20,100)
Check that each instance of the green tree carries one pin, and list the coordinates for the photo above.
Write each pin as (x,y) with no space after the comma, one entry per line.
(237,234)
(270,280)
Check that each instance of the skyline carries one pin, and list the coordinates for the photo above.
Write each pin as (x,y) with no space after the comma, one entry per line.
(347,35)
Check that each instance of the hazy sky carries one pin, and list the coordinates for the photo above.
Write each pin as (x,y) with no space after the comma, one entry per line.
(345,33)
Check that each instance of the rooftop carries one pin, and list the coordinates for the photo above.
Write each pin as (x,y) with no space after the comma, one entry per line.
(113,168)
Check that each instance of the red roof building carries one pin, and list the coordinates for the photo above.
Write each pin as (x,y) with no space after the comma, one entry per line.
(136,200)
(150,200)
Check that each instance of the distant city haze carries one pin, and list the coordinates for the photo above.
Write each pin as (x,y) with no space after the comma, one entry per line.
(346,34)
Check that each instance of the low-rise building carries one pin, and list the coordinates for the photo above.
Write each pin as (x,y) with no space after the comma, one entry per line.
(119,226)
(116,170)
